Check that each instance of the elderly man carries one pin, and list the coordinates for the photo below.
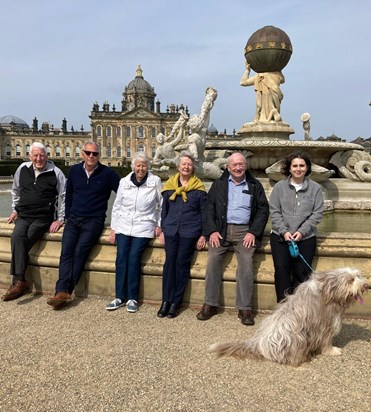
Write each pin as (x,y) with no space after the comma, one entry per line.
(89,186)
(37,185)
(236,215)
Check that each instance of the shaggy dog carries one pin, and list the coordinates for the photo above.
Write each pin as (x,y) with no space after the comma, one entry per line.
(303,324)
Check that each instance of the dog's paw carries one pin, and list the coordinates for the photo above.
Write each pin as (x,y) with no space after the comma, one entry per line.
(333,351)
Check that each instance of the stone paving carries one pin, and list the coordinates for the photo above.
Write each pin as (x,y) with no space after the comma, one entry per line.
(84,358)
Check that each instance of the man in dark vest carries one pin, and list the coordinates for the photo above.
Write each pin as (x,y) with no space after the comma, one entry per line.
(37,187)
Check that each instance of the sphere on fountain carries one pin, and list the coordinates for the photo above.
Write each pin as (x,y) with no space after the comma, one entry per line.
(269,49)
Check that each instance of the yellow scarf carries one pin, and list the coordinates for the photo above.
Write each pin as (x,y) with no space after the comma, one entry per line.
(194,183)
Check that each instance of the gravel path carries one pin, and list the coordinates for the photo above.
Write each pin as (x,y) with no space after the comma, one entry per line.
(84,358)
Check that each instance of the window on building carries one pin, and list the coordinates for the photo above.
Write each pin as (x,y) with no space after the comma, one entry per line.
(140,132)
(18,150)
(109,151)
(99,131)
(48,150)
(77,151)
(128,151)
(8,151)
(118,151)
(153,132)
(57,151)
(153,150)
(68,151)
(163,130)
(128,131)
(118,131)
(141,148)
(27,149)
(109,131)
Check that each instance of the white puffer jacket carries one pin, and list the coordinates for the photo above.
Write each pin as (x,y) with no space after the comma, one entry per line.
(137,210)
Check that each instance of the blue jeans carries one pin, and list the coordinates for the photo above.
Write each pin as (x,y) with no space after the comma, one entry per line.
(128,265)
(79,236)
(179,252)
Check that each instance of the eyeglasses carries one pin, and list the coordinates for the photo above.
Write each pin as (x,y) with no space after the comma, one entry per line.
(88,153)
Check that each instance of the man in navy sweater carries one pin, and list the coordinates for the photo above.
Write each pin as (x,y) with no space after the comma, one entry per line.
(88,189)
(37,186)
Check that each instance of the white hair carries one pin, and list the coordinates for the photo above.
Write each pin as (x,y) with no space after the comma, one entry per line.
(38,145)
(141,157)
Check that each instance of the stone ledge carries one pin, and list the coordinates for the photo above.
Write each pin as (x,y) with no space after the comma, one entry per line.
(334,250)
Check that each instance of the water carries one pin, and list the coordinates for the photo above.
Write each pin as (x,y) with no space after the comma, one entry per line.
(355,222)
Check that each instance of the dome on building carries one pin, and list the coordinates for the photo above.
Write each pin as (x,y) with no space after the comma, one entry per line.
(138,93)
(212,130)
(139,85)
(10,120)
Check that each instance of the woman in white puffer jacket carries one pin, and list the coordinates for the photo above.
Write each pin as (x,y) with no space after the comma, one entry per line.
(135,220)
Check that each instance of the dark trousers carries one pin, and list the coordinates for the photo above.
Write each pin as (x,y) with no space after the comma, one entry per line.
(179,252)
(79,237)
(25,234)
(128,265)
(290,272)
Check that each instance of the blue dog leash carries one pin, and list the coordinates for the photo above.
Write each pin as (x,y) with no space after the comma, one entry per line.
(294,252)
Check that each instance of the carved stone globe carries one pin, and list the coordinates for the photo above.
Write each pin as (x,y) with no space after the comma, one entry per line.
(269,49)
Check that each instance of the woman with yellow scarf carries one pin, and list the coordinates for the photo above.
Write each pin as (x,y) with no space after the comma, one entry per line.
(182,222)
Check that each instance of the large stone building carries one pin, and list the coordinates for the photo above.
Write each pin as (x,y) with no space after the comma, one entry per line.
(134,128)
(119,133)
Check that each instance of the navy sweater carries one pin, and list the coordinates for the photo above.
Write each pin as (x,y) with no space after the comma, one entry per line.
(88,197)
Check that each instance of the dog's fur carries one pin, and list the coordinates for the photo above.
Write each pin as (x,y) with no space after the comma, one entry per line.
(303,324)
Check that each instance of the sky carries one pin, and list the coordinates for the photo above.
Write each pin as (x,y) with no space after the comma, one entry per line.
(58,57)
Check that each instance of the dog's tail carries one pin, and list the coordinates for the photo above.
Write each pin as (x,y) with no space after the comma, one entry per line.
(240,350)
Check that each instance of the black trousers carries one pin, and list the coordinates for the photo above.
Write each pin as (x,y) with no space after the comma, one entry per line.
(290,272)
(25,234)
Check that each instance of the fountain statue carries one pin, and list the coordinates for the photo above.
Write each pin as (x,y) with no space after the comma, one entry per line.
(265,140)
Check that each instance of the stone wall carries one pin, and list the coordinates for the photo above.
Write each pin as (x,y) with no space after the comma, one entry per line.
(334,250)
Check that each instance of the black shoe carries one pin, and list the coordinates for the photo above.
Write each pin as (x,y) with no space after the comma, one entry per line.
(207,312)
(173,311)
(164,309)
(247,317)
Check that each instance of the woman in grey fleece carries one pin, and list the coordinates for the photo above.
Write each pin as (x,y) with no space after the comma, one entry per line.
(296,208)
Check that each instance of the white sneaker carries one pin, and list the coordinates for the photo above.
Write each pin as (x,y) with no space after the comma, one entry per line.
(132,305)
(115,304)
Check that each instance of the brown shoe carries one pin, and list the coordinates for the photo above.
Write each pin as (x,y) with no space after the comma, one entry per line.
(246,316)
(207,312)
(15,291)
(59,300)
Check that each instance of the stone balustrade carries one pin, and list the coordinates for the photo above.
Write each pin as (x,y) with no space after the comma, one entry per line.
(334,250)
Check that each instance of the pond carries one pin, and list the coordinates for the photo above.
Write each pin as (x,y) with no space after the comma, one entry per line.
(339,221)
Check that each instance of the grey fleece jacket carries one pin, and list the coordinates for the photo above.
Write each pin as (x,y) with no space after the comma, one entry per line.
(293,211)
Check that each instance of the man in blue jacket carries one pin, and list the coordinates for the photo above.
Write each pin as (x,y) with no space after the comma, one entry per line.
(88,189)
(236,214)
(37,187)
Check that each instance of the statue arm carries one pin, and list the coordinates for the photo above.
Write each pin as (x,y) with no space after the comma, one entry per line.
(246,80)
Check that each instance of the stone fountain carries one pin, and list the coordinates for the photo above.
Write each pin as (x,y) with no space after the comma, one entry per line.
(266,139)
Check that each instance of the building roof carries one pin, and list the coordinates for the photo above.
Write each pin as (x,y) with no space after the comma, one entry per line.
(9,120)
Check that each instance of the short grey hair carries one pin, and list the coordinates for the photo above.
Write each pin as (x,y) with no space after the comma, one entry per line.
(189,155)
(93,143)
(141,157)
(38,145)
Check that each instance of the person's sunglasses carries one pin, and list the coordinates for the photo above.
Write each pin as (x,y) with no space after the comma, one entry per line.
(88,153)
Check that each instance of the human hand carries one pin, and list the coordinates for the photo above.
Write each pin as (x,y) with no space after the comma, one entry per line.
(201,242)
(161,238)
(12,217)
(55,226)
(157,231)
(214,239)
(249,240)
(297,236)
(112,237)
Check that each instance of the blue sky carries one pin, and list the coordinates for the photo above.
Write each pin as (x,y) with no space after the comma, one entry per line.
(59,57)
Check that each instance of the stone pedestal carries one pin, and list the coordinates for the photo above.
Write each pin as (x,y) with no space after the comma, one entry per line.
(266,131)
